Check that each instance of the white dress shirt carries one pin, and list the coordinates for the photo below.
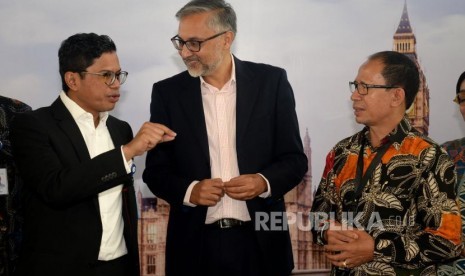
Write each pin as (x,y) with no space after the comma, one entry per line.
(98,141)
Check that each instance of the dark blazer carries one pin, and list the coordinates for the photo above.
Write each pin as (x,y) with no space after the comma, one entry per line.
(63,228)
(267,140)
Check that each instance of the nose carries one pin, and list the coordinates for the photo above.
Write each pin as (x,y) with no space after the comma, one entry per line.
(185,52)
(116,84)
(355,96)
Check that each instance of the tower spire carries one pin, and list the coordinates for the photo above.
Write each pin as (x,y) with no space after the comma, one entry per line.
(404,24)
(404,38)
(405,43)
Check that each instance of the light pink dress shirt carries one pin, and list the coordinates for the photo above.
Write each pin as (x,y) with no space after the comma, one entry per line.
(219,106)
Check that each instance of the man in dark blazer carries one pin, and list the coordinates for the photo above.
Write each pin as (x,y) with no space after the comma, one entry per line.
(75,160)
(237,152)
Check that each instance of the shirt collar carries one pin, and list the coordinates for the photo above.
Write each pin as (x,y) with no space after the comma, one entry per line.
(397,135)
(77,112)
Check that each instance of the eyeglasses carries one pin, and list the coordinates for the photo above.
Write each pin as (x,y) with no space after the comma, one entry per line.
(191,44)
(362,88)
(460,98)
(110,77)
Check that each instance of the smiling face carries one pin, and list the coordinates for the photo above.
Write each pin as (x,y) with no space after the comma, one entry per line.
(212,52)
(90,91)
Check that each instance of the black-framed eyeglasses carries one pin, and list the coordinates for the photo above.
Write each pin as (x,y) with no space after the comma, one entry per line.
(110,76)
(191,44)
(460,98)
(362,88)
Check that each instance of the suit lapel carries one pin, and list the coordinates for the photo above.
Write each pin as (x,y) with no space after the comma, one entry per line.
(66,122)
(192,105)
(247,95)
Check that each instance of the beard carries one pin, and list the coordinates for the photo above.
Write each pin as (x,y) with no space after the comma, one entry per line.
(197,68)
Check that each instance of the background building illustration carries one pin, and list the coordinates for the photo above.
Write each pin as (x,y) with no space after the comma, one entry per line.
(153,221)
(405,42)
(299,201)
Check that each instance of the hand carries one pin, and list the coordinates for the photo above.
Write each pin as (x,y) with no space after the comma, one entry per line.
(348,247)
(149,135)
(207,192)
(245,186)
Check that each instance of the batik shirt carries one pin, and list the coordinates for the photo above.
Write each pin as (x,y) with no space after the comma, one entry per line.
(11,218)
(456,150)
(408,204)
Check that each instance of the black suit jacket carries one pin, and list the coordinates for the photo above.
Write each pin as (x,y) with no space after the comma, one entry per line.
(267,141)
(63,228)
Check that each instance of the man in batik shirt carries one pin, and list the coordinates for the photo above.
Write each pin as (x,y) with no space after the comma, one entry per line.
(386,201)
(11,217)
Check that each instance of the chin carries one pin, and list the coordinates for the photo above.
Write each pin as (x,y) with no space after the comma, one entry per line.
(358,120)
(194,73)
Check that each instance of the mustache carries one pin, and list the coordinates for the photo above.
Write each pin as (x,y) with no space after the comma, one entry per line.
(189,59)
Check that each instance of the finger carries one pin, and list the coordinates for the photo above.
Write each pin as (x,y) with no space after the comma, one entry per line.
(240,196)
(165,129)
(167,138)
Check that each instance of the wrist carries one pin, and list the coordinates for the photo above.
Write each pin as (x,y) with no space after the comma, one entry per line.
(321,235)
(127,153)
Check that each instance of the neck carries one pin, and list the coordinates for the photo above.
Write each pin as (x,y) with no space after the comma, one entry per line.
(376,136)
(222,74)
(378,133)
(96,119)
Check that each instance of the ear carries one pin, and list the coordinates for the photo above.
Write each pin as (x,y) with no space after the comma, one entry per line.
(398,96)
(228,39)
(72,80)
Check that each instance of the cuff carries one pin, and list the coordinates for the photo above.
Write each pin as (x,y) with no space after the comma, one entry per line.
(128,164)
(268,191)
(187,196)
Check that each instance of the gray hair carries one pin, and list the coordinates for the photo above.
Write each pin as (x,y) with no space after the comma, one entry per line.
(224,18)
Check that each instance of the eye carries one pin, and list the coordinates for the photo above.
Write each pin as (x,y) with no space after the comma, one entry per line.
(107,74)
(191,43)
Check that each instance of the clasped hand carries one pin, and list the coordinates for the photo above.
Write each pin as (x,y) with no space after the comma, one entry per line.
(209,192)
(348,247)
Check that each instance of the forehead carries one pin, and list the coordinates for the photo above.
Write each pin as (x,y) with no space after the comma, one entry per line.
(371,72)
(107,61)
(195,26)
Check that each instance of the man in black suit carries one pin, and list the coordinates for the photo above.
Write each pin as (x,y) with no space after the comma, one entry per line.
(237,153)
(76,163)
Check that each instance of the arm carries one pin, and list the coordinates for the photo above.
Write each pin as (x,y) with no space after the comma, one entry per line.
(290,163)
(271,157)
(161,173)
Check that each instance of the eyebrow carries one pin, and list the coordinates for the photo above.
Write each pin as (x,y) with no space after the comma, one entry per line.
(196,38)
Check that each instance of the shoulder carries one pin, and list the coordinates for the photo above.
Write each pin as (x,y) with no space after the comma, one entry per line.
(13,105)
(10,108)
(40,115)
(176,80)
(454,144)
(118,122)
(258,68)
(349,142)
